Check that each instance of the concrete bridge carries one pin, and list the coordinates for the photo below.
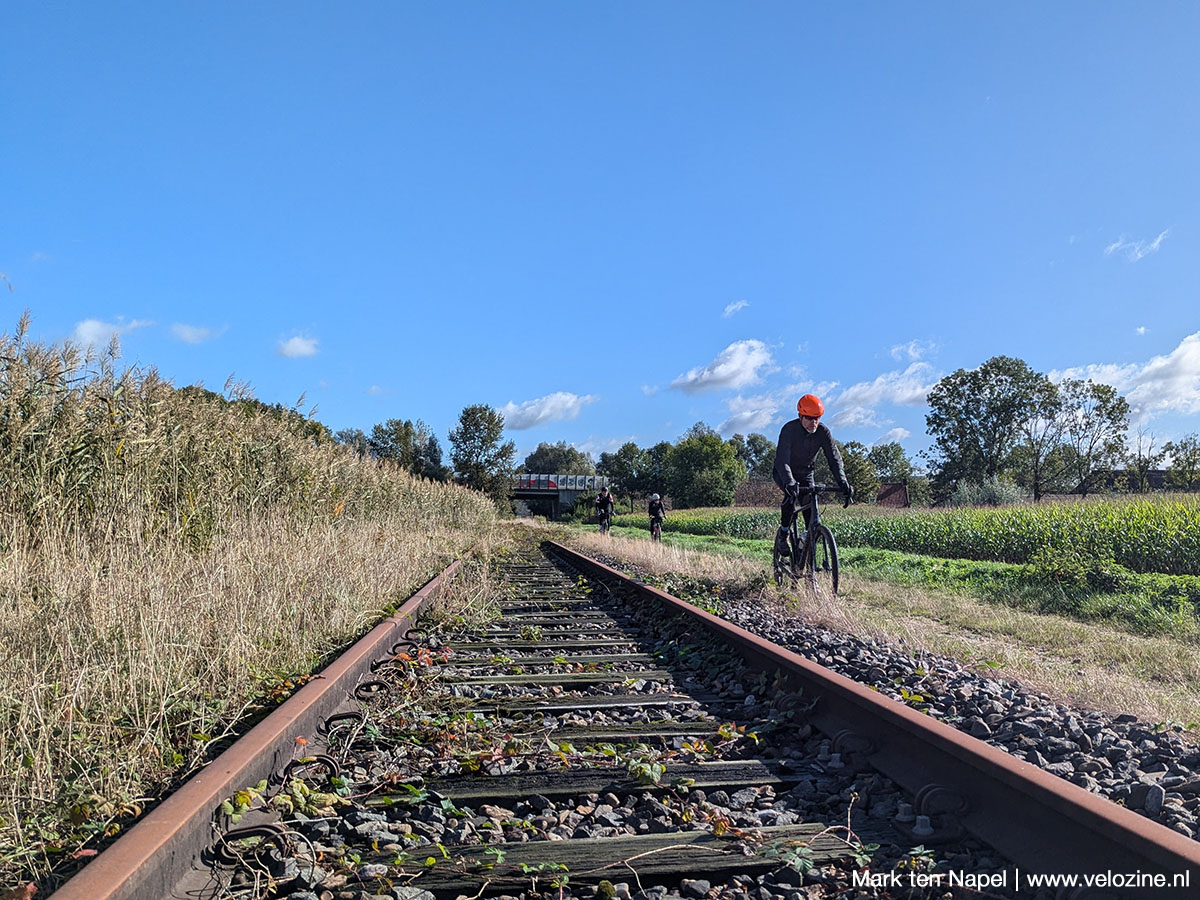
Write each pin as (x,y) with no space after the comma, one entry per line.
(550,495)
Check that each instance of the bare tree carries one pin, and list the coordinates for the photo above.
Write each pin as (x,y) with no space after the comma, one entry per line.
(1141,459)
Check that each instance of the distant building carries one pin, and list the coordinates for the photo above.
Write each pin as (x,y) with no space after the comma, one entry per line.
(1118,479)
(892,493)
(757,490)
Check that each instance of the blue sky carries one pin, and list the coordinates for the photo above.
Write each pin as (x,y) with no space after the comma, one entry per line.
(610,220)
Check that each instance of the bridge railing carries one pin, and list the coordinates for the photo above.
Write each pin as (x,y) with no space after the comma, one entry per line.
(533,482)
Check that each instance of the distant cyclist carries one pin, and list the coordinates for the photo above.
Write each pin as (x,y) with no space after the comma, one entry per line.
(657,512)
(796,457)
(604,507)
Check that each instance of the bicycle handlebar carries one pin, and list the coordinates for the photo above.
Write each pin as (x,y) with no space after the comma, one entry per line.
(818,489)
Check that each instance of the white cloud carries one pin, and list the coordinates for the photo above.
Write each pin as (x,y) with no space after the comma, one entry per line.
(1141,329)
(560,406)
(297,347)
(1135,250)
(595,445)
(1165,384)
(913,350)
(735,367)
(806,385)
(852,416)
(40,257)
(649,389)
(91,332)
(896,434)
(734,307)
(907,388)
(194,334)
(749,414)
(375,391)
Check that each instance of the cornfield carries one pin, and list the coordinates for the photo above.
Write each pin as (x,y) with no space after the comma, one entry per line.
(1143,535)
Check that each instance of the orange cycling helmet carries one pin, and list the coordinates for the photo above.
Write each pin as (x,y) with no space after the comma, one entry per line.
(810,405)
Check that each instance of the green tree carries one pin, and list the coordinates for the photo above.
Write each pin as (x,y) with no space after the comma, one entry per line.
(919,491)
(1095,426)
(481,459)
(700,429)
(659,469)
(859,471)
(1184,473)
(891,462)
(555,459)
(628,468)
(756,452)
(410,445)
(974,417)
(738,443)
(1039,433)
(354,438)
(893,465)
(704,470)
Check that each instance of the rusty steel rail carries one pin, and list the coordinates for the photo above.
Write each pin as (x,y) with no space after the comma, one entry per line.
(150,859)
(1041,822)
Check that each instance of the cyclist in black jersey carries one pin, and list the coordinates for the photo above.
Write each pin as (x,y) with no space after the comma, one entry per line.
(657,512)
(796,455)
(605,504)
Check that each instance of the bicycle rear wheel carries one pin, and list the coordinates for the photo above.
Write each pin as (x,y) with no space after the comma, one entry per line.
(821,562)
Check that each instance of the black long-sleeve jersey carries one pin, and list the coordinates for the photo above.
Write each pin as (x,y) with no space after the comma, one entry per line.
(796,454)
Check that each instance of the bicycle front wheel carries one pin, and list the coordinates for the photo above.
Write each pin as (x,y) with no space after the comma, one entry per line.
(821,562)
(783,562)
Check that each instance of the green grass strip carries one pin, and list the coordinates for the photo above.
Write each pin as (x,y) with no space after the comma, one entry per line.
(1140,603)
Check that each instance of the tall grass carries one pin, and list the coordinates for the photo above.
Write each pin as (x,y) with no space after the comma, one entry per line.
(169,560)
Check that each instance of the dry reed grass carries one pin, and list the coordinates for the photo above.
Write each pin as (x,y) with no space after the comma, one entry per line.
(166,557)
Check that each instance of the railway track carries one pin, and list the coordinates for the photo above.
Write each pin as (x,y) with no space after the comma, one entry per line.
(599,738)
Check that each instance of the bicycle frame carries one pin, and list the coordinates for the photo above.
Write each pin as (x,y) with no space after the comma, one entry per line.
(815,557)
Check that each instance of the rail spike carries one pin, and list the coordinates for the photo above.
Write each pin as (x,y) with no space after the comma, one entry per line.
(369,690)
(331,766)
(937,799)
(847,741)
(270,833)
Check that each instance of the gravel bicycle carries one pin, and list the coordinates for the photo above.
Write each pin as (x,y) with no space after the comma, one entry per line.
(813,556)
(656,530)
(605,521)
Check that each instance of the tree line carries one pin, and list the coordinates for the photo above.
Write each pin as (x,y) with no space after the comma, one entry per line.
(700,469)
(480,458)
(1005,423)
(1000,431)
